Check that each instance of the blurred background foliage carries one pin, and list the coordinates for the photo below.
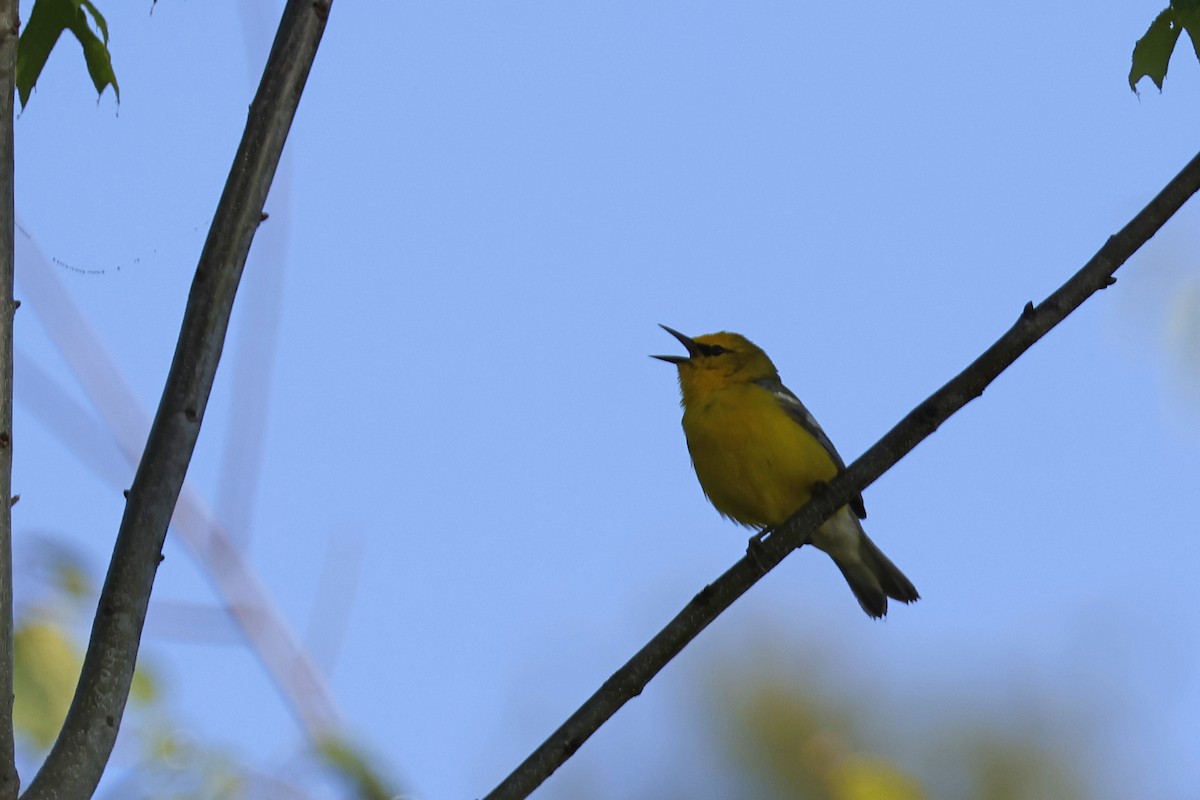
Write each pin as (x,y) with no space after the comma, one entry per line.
(157,756)
(792,734)
(781,723)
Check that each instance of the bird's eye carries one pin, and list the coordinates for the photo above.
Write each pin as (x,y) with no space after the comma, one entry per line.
(714,350)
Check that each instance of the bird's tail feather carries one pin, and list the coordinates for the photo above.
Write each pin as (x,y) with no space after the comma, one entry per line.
(894,582)
(872,576)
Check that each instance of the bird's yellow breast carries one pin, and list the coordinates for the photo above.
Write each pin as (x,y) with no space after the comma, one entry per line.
(755,463)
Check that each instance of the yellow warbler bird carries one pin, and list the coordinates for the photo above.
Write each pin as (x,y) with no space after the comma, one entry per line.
(758,452)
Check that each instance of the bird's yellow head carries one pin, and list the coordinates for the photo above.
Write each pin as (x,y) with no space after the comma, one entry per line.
(717,361)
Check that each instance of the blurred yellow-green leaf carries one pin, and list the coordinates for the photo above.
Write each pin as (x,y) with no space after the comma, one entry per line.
(355,768)
(867,777)
(144,689)
(45,668)
(72,579)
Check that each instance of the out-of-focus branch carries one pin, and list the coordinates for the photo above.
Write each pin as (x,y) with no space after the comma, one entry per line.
(242,593)
(80,754)
(1034,322)
(9,28)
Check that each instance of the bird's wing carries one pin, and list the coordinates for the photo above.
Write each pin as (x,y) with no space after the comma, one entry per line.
(804,418)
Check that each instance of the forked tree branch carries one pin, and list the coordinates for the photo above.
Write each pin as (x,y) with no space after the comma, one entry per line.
(79,755)
(9,27)
(1034,322)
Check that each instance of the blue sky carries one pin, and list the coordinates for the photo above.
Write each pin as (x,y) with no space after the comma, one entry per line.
(486,209)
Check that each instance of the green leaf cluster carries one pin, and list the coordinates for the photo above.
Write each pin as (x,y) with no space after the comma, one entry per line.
(47,21)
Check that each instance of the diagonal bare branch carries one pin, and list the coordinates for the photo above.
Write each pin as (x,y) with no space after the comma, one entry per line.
(9,16)
(80,754)
(1034,322)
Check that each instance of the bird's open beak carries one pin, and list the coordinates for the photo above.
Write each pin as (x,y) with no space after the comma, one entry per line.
(692,348)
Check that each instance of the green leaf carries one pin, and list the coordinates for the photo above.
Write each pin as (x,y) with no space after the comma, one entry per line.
(1188,14)
(47,21)
(95,52)
(1152,52)
(38,37)
(98,17)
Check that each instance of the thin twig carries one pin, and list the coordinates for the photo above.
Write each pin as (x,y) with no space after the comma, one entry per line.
(9,16)
(1033,323)
(80,754)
